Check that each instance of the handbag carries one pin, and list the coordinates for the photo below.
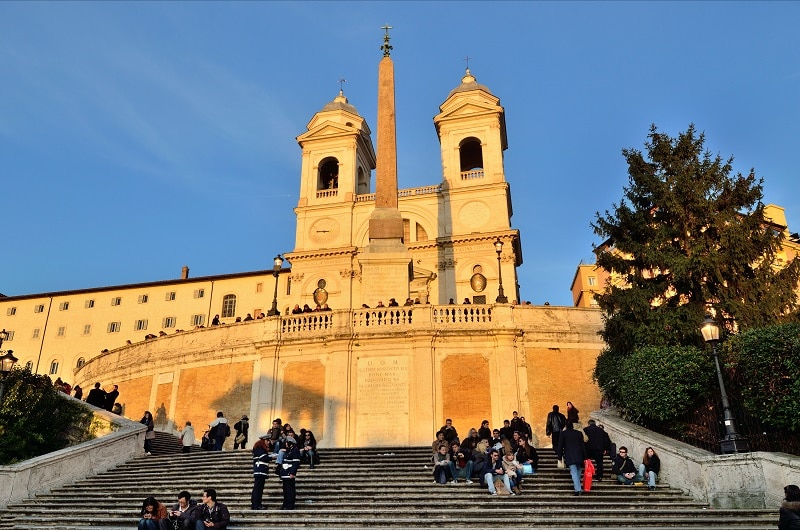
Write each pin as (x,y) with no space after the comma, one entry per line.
(527,469)
(239,438)
(150,435)
(560,463)
(500,486)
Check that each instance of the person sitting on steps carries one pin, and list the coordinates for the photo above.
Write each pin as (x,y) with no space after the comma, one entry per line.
(650,467)
(460,463)
(624,469)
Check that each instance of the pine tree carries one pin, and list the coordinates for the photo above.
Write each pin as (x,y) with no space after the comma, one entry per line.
(688,236)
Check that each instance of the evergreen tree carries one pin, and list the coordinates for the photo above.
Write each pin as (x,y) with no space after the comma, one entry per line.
(687,236)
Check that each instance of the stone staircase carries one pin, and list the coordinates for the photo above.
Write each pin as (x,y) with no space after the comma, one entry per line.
(360,488)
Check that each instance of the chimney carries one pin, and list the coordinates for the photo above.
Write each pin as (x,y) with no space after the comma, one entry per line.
(184,272)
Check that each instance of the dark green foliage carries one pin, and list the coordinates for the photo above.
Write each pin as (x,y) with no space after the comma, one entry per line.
(35,420)
(687,238)
(688,235)
(661,383)
(766,367)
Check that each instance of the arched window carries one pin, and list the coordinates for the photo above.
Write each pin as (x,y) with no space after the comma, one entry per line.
(80,363)
(54,367)
(328,178)
(29,366)
(363,182)
(229,306)
(471,155)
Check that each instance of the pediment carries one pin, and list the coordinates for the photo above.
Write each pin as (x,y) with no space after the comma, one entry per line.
(328,129)
(469,108)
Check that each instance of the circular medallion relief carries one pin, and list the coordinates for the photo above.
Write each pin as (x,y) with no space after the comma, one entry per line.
(474,214)
(478,282)
(324,230)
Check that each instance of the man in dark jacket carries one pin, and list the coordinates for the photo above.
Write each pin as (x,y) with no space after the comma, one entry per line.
(596,446)
(97,397)
(624,469)
(183,514)
(555,424)
(111,398)
(213,514)
(288,471)
(572,449)
(461,463)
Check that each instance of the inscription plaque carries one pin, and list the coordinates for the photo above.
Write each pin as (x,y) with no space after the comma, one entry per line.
(382,401)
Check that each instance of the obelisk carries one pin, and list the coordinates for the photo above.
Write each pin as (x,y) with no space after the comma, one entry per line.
(385,261)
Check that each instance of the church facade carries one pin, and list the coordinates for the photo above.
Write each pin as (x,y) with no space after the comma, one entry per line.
(367,372)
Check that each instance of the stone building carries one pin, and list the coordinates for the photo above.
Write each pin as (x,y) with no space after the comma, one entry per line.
(380,375)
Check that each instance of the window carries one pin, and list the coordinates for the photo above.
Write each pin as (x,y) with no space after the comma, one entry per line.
(592,280)
(39,308)
(35,333)
(288,285)
(228,306)
(170,296)
(199,293)
(89,304)
(62,330)
(63,306)
(11,311)
(140,325)
(113,327)
(53,367)
(87,329)
(117,300)
(328,177)
(169,322)
(29,366)
(80,363)
(10,336)
(198,320)
(479,299)
(259,287)
(143,298)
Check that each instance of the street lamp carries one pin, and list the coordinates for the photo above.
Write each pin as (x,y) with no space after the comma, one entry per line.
(7,362)
(501,298)
(276,270)
(732,442)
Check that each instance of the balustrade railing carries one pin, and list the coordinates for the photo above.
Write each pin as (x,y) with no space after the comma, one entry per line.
(307,322)
(469,175)
(321,194)
(409,192)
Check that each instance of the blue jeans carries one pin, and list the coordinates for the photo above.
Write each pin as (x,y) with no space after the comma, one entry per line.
(489,478)
(456,471)
(576,476)
(622,480)
(651,475)
(218,441)
(147,524)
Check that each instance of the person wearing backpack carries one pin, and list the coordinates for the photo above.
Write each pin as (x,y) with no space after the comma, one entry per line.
(555,424)
(219,431)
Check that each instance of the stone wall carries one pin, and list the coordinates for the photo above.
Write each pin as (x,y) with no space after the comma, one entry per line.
(745,480)
(364,377)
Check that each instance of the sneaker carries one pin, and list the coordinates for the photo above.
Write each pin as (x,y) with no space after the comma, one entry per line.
(513,494)
(148,453)
(452,482)
(638,483)
(492,493)
(651,488)
(578,493)
(469,481)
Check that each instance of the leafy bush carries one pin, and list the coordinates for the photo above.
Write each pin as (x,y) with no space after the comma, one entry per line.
(765,363)
(661,383)
(36,420)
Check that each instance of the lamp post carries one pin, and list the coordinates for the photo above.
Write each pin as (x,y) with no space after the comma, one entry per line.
(501,298)
(7,362)
(276,270)
(732,442)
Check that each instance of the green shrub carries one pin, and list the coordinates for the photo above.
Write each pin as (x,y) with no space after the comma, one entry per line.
(656,383)
(765,363)
(35,419)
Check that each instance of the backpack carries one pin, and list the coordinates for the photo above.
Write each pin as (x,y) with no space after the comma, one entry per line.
(227,430)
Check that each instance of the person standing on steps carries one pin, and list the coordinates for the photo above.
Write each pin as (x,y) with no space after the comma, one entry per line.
(555,424)
(219,430)
(573,450)
(596,446)
(150,434)
(212,514)
(260,470)
(287,470)
(241,427)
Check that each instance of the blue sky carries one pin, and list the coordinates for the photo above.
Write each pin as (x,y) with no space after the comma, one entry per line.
(138,137)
